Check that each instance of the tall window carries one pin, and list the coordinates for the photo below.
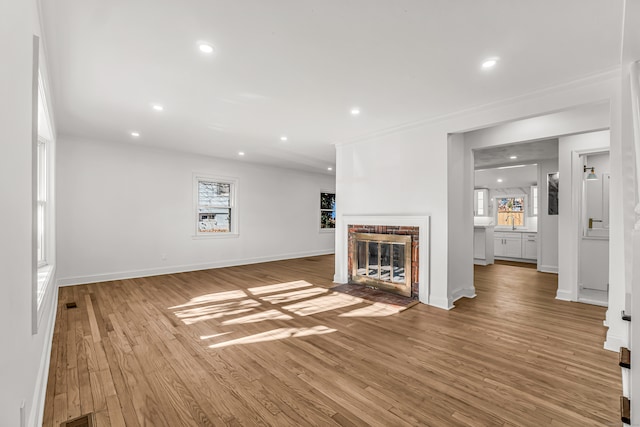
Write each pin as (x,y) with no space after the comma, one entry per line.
(327,211)
(510,211)
(534,200)
(42,210)
(480,201)
(215,210)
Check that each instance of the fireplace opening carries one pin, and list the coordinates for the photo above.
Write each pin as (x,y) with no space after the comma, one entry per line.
(382,261)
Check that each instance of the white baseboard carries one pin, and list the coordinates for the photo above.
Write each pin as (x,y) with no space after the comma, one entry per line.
(548,269)
(440,303)
(106,277)
(613,343)
(564,295)
(478,261)
(36,414)
(462,293)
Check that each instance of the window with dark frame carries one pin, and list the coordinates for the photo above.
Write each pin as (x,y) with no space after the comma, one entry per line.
(327,211)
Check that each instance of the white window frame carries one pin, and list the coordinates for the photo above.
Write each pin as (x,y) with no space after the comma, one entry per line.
(535,194)
(233,206)
(320,228)
(42,174)
(525,208)
(43,193)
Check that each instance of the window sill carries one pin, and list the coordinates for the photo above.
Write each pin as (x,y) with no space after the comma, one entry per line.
(327,230)
(215,236)
(45,274)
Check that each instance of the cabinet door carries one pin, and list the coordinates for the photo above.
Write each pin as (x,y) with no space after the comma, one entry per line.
(513,247)
(498,246)
(529,248)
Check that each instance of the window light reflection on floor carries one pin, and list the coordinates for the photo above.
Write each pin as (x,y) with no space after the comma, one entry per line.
(373,310)
(258,317)
(216,297)
(279,287)
(321,304)
(276,334)
(294,296)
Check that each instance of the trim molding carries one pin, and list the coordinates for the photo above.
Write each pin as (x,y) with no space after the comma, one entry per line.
(613,342)
(548,269)
(462,293)
(107,277)
(595,78)
(440,302)
(564,295)
(36,413)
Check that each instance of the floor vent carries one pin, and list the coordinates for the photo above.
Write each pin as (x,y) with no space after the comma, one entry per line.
(82,421)
(72,305)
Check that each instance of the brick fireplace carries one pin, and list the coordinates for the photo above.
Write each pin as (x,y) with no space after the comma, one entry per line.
(399,276)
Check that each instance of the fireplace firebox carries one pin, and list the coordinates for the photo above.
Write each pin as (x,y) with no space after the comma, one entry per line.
(382,261)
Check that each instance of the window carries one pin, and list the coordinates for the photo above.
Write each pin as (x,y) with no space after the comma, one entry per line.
(534,200)
(480,203)
(42,209)
(510,211)
(327,211)
(215,206)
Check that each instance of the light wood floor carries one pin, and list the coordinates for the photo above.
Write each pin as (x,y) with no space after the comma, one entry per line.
(227,347)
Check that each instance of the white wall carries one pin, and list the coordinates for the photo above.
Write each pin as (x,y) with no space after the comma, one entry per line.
(547,224)
(405,170)
(569,194)
(24,355)
(122,208)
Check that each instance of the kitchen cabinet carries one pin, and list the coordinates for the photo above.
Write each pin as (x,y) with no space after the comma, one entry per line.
(508,244)
(529,246)
(483,245)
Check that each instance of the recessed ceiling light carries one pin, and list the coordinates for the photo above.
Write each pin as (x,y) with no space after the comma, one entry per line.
(355,111)
(513,157)
(240,153)
(499,179)
(283,138)
(489,63)
(135,134)
(329,168)
(157,107)
(205,48)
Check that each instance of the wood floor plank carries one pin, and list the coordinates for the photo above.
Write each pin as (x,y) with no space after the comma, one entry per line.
(270,344)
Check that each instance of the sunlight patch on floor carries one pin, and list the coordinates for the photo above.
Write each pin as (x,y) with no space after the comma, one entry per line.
(279,287)
(276,334)
(294,296)
(322,304)
(216,297)
(374,310)
(208,337)
(258,317)
(199,314)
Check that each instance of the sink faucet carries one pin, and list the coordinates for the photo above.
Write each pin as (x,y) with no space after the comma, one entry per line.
(513,221)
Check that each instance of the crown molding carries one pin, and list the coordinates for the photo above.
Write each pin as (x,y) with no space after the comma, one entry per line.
(602,76)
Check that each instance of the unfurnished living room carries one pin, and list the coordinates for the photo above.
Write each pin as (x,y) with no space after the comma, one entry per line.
(292,213)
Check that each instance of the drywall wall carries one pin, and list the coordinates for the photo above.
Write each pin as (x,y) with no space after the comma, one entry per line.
(422,184)
(24,354)
(127,211)
(547,224)
(569,220)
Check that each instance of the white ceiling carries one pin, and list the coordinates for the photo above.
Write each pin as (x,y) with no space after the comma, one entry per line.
(529,152)
(297,67)
(514,177)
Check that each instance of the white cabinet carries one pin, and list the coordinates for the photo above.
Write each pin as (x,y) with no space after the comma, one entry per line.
(481,202)
(483,245)
(529,246)
(508,245)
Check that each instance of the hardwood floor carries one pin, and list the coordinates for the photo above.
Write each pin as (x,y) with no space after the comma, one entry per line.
(268,344)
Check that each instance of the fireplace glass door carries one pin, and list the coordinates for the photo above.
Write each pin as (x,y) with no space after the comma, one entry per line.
(382,261)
